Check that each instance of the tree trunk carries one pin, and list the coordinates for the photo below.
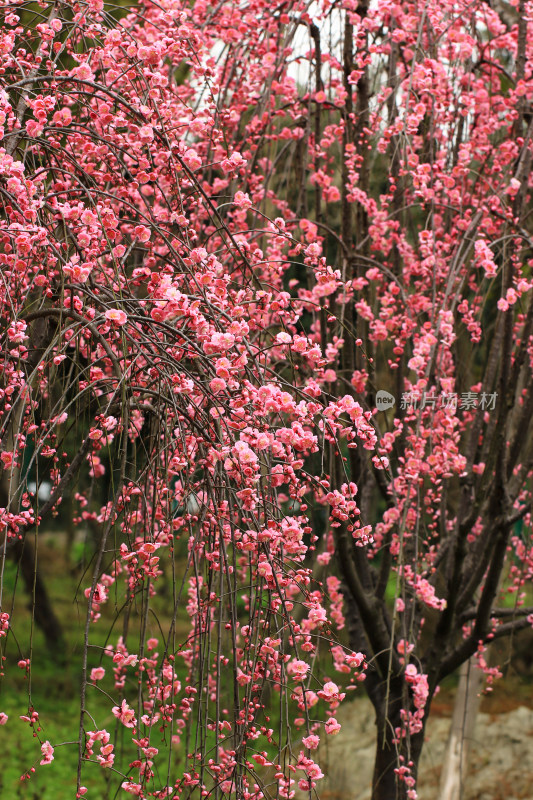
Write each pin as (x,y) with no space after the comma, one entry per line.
(12,483)
(384,780)
(43,612)
(387,784)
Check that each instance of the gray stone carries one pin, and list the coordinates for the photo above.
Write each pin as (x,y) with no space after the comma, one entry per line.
(500,764)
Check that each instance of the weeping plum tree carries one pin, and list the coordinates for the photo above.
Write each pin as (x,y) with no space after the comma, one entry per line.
(266,319)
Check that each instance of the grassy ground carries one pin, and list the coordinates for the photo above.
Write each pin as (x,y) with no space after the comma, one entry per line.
(53,688)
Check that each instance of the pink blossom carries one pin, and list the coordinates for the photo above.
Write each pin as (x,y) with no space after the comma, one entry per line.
(125,714)
(135,789)
(330,691)
(106,758)
(192,159)
(117,316)
(332,727)
(312,741)
(317,615)
(514,186)
(355,660)
(242,200)
(217,385)
(142,233)
(83,72)
(146,134)
(313,250)
(298,669)
(311,769)
(48,753)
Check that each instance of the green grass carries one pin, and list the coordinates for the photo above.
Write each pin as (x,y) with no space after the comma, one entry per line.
(53,688)
(55,683)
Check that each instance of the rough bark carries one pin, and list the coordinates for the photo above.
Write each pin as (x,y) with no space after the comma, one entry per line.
(386,783)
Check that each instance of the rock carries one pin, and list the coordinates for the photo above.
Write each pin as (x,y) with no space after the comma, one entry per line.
(500,765)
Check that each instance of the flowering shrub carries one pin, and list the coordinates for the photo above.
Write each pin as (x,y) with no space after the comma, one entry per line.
(227,231)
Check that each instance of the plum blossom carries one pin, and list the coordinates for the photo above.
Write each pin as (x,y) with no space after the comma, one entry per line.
(48,753)
(298,669)
(242,200)
(117,316)
(312,741)
(125,714)
(83,72)
(192,159)
(332,727)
